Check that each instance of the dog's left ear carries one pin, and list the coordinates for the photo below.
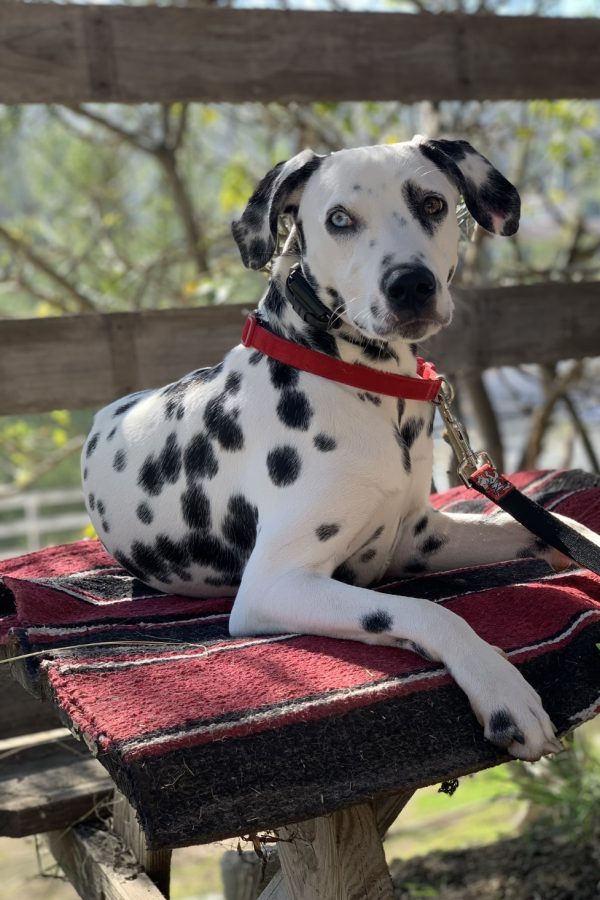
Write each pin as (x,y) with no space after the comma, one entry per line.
(278,192)
(492,200)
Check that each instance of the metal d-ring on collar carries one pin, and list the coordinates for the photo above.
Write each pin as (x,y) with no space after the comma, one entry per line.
(305,301)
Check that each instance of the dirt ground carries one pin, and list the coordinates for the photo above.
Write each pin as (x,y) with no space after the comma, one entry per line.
(541,864)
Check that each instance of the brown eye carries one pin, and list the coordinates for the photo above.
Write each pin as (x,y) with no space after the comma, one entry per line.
(433,206)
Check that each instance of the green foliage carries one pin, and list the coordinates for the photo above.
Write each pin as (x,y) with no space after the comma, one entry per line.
(564,790)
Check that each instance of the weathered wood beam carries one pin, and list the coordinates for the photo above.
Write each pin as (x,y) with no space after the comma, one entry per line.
(19,712)
(76,362)
(74,54)
(155,863)
(99,866)
(340,855)
(48,785)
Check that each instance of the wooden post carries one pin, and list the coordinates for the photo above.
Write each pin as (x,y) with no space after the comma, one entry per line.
(337,857)
(156,863)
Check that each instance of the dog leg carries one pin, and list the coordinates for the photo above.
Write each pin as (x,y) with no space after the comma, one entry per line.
(432,541)
(277,598)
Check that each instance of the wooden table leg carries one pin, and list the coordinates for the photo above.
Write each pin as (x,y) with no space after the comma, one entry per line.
(156,863)
(337,857)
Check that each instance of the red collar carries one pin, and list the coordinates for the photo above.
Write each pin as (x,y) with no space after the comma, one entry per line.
(424,387)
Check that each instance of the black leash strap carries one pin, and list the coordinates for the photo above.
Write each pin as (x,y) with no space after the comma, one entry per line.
(477,470)
(534,517)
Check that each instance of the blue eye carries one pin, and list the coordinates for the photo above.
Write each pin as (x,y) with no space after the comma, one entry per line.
(339,218)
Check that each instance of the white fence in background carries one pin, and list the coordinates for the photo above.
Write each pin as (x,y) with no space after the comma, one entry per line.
(37,515)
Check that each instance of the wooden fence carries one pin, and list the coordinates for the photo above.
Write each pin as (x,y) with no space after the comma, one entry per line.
(85,361)
(28,519)
(71,54)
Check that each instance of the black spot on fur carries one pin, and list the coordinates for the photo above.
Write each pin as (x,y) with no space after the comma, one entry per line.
(324,442)
(128,564)
(433,543)
(233,383)
(195,507)
(156,471)
(91,501)
(177,554)
(415,648)
(294,410)
(222,425)
(376,351)
(240,524)
(100,507)
(92,444)
(323,342)
(376,534)
(503,729)
(209,550)
(274,301)
(282,375)
(148,560)
(324,532)
(199,459)
(105,526)
(125,406)
(405,436)
(144,513)
(255,357)
(85,473)
(284,465)
(344,573)
(377,622)
(372,398)
(111,433)
(401,408)
(119,461)
(368,555)
(414,567)
(420,525)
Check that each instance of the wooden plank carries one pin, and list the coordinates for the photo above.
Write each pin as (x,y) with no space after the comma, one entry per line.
(386,809)
(20,713)
(76,362)
(72,54)
(336,856)
(155,863)
(85,361)
(49,786)
(99,866)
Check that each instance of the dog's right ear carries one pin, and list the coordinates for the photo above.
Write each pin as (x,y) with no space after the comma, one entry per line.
(279,191)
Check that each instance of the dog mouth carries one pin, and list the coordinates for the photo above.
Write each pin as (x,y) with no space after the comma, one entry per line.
(414,329)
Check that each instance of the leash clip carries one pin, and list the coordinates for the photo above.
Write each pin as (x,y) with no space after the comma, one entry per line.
(468,460)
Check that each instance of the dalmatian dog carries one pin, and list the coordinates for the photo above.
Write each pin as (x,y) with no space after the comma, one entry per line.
(297,493)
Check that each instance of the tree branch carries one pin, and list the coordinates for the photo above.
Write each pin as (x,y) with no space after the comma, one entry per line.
(17,245)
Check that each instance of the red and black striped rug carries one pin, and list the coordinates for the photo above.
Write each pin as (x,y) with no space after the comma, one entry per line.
(210,736)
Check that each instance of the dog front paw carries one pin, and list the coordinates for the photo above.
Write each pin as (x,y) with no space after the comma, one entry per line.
(507,706)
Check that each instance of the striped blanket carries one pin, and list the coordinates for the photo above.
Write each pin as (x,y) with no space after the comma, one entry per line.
(210,736)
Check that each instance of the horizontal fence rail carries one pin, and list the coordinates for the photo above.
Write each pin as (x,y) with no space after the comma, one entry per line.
(74,54)
(33,516)
(74,362)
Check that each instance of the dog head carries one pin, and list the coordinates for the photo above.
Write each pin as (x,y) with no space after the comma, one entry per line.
(376,228)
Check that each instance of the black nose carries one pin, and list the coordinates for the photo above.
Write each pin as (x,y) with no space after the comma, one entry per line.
(409,286)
